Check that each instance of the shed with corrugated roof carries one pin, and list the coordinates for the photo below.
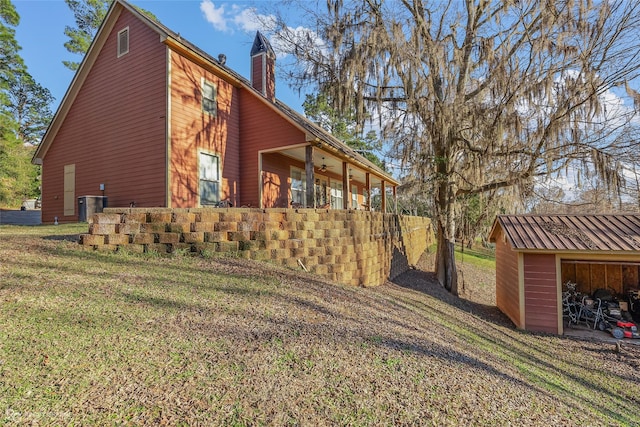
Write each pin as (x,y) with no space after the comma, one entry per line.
(537,254)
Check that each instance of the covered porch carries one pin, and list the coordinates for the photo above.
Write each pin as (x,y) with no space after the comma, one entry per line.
(316,174)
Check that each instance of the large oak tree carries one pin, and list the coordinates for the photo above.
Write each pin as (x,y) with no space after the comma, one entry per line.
(478,95)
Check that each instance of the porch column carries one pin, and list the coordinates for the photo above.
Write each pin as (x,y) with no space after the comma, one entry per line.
(383,195)
(395,200)
(346,191)
(310,176)
(368,185)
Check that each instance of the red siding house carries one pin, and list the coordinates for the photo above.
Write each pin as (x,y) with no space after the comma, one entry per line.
(151,120)
(537,254)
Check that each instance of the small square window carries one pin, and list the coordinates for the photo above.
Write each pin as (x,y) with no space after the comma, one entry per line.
(123,42)
(209,102)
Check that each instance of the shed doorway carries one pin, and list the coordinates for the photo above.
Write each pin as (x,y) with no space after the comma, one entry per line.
(619,277)
(601,298)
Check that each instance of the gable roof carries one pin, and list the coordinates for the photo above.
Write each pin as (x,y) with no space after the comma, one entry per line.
(603,232)
(176,42)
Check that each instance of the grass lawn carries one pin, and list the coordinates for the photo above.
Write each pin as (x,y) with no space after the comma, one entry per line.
(479,261)
(91,338)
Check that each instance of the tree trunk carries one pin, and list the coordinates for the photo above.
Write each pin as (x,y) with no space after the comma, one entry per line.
(445,202)
(446,270)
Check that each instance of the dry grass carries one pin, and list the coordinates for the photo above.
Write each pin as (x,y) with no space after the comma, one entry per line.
(96,338)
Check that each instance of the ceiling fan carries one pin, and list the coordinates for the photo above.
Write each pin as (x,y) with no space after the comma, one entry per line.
(324,166)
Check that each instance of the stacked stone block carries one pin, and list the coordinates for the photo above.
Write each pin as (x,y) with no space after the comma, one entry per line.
(351,247)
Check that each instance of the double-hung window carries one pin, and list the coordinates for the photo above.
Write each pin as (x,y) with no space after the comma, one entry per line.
(354,196)
(336,195)
(209,179)
(298,186)
(209,95)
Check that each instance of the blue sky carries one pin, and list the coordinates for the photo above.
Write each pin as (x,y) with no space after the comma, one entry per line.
(214,26)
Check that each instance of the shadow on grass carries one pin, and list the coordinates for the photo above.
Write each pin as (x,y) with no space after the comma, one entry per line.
(426,282)
(523,349)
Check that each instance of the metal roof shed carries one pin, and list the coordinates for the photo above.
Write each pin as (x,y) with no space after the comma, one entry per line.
(536,254)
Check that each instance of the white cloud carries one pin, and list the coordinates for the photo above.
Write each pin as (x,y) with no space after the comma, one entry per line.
(249,20)
(237,18)
(213,15)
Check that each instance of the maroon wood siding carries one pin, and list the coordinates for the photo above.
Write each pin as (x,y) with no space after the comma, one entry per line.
(276,180)
(115,131)
(193,130)
(262,128)
(507,283)
(540,292)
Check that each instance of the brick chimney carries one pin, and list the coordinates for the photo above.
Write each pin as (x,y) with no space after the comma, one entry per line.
(263,67)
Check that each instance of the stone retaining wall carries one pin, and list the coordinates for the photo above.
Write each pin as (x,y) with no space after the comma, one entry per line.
(349,247)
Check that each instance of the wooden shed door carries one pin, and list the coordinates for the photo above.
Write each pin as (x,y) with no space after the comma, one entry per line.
(540,293)
(69,190)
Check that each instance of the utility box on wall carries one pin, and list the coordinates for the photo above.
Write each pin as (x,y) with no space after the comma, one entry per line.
(89,205)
